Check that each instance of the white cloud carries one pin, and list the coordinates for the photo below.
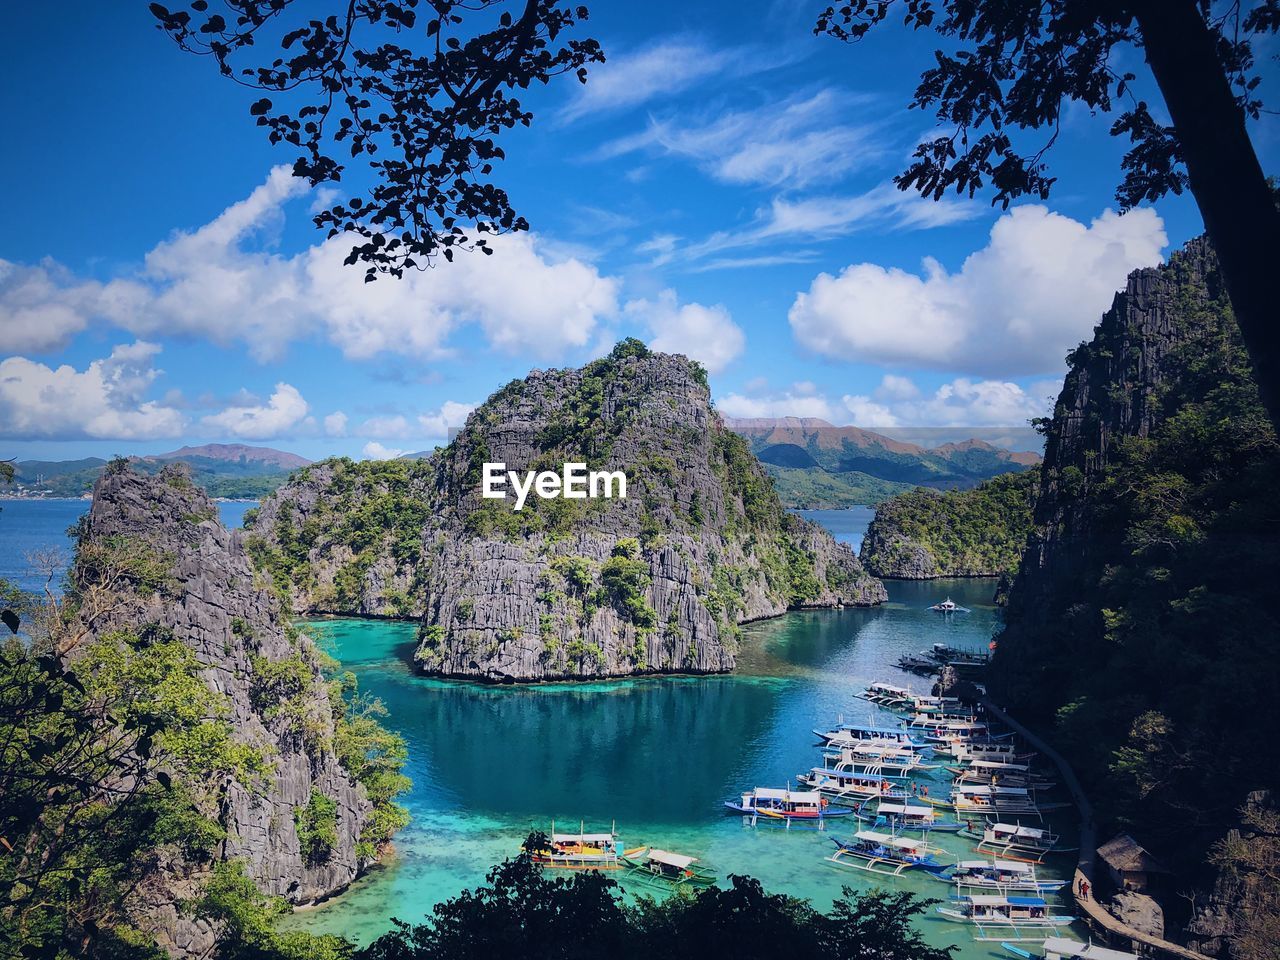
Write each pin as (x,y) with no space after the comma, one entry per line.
(962,403)
(823,218)
(705,334)
(630,79)
(376,451)
(451,416)
(282,413)
(792,142)
(42,306)
(335,424)
(104,401)
(207,284)
(1014,308)
(792,403)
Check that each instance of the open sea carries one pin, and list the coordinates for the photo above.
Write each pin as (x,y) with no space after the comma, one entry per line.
(655,756)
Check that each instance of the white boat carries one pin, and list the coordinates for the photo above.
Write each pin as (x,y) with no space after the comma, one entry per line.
(949,728)
(1060,948)
(887,694)
(884,853)
(1000,751)
(982,799)
(1014,841)
(949,606)
(994,772)
(851,784)
(1003,875)
(852,734)
(907,818)
(786,805)
(998,910)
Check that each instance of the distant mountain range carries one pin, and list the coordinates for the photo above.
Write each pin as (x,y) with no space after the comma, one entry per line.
(815,464)
(231,470)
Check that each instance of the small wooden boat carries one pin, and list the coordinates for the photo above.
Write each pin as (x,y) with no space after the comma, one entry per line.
(918,664)
(786,805)
(1060,948)
(1002,875)
(851,784)
(1013,841)
(580,851)
(948,606)
(997,910)
(662,868)
(907,818)
(884,853)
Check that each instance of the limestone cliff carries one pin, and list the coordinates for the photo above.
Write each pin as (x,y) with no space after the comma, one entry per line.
(1141,621)
(655,582)
(200,589)
(925,534)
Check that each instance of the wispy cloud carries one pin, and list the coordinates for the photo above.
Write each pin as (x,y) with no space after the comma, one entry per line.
(661,70)
(791,142)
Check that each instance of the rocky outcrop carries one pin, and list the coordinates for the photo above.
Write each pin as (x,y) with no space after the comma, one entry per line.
(654,582)
(924,534)
(1138,911)
(190,578)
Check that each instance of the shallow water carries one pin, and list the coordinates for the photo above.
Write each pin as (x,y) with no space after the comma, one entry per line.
(658,756)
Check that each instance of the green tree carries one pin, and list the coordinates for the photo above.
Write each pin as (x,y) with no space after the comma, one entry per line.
(1016,66)
(420,99)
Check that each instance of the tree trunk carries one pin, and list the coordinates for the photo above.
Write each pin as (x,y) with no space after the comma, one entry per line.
(1235,200)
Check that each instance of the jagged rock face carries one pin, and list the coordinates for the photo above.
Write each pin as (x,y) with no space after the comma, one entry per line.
(891,553)
(655,582)
(1111,391)
(216,606)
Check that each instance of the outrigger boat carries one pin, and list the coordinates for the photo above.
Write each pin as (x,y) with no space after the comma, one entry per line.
(656,867)
(850,784)
(852,734)
(943,729)
(998,751)
(1060,948)
(941,707)
(1013,841)
(889,761)
(1002,911)
(884,853)
(907,818)
(956,655)
(920,664)
(580,851)
(1002,875)
(887,694)
(983,799)
(788,805)
(993,772)
(958,746)
(949,606)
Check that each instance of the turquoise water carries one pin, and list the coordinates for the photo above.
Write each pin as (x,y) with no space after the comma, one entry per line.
(30,526)
(657,756)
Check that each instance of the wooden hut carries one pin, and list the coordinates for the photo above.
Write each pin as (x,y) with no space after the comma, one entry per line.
(1130,865)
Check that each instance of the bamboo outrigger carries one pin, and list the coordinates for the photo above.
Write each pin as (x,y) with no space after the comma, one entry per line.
(580,851)
(884,853)
(1004,876)
(655,867)
(786,805)
(1014,841)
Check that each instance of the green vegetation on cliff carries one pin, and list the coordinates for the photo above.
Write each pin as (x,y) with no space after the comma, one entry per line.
(817,489)
(960,533)
(1143,620)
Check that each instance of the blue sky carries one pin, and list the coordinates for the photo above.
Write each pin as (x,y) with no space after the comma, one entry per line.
(720,187)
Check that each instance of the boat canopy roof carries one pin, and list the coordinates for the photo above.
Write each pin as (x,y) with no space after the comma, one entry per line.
(1012,866)
(983,900)
(582,838)
(998,765)
(907,810)
(848,775)
(889,688)
(1062,947)
(972,865)
(677,860)
(888,839)
(774,793)
(982,789)
(1018,830)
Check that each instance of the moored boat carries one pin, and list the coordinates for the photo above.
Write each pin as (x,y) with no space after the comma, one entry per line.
(786,805)
(997,910)
(886,694)
(884,853)
(1014,841)
(1060,948)
(1002,875)
(580,851)
(907,818)
(851,784)
(655,867)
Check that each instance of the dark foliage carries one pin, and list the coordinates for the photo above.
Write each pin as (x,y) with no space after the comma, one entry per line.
(419,90)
